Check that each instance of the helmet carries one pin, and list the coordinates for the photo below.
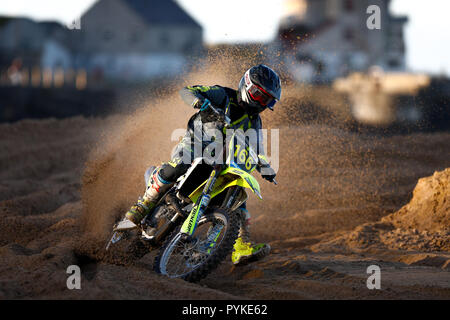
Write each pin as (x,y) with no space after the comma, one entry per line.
(259,88)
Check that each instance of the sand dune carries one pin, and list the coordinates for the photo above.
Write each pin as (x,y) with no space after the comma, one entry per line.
(423,225)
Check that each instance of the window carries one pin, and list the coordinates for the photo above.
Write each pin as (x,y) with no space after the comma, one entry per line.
(134,37)
(349,35)
(393,63)
(164,40)
(348,5)
(108,35)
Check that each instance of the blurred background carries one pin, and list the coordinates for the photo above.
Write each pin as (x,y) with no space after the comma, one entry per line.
(95,57)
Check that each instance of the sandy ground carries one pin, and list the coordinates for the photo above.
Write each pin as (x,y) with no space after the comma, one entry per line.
(62,183)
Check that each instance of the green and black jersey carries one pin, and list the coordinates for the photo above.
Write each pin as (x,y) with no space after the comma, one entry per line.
(226,99)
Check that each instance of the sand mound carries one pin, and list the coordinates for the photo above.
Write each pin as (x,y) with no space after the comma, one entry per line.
(429,209)
(421,225)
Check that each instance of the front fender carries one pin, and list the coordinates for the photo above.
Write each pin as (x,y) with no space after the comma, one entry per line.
(246,179)
(241,178)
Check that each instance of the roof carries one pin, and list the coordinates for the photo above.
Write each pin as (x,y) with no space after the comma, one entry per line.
(41,31)
(399,19)
(4,20)
(162,12)
(49,27)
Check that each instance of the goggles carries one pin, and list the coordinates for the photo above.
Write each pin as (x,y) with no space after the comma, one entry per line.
(258,94)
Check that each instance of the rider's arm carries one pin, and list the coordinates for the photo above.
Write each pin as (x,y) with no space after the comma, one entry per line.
(263,166)
(262,159)
(195,96)
(265,169)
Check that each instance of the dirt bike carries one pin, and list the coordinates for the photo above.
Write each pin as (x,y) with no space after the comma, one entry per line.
(196,223)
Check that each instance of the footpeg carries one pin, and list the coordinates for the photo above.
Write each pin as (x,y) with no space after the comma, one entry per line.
(124,225)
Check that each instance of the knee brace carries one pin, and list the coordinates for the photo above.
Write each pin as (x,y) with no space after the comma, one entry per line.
(171,173)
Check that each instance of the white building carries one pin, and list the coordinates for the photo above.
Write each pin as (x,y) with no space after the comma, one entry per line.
(137,39)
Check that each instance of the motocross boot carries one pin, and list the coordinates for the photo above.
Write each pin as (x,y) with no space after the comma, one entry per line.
(244,251)
(155,189)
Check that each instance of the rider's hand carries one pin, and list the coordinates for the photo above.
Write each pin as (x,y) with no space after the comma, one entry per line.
(268,173)
(202,104)
(209,113)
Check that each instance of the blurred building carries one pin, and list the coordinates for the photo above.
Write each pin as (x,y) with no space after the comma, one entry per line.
(380,99)
(320,40)
(137,39)
(44,44)
(126,40)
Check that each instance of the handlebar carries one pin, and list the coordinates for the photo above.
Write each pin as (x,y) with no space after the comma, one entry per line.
(227,121)
(222,116)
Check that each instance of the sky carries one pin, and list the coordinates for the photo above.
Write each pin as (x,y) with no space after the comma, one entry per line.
(427,33)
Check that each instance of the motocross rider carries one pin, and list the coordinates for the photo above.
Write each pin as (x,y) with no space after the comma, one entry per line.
(259,89)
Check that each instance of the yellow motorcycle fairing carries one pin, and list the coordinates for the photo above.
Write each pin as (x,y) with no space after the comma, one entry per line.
(227,178)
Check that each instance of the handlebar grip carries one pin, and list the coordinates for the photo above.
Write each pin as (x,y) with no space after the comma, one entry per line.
(225,118)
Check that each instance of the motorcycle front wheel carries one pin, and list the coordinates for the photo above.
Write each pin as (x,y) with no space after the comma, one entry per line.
(193,258)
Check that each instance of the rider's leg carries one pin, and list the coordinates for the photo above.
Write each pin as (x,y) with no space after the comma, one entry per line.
(244,250)
(244,230)
(160,181)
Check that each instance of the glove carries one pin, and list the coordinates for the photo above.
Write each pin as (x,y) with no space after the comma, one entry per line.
(202,104)
(210,114)
(268,173)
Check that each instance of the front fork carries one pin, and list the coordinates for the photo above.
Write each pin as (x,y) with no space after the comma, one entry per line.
(190,224)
